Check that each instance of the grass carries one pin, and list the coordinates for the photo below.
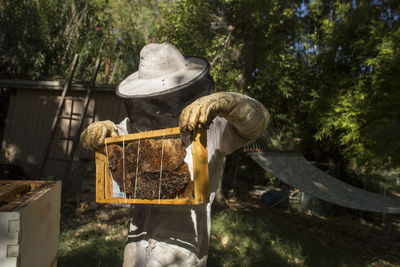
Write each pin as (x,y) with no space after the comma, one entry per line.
(241,240)
(249,236)
(252,239)
(93,244)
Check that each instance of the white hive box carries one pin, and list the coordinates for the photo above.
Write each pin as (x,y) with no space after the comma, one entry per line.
(29,223)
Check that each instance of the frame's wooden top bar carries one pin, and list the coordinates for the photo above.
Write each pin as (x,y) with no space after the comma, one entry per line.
(143,135)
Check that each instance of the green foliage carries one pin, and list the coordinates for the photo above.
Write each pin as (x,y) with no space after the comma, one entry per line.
(184,20)
(39,38)
(27,34)
(354,96)
(326,70)
(125,27)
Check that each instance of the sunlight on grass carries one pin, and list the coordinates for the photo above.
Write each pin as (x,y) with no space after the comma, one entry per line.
(237,241)
(246,239)
(93,244)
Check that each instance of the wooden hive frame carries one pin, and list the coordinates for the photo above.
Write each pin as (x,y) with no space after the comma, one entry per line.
(104,183)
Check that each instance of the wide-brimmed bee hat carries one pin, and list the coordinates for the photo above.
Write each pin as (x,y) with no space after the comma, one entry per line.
(162,69)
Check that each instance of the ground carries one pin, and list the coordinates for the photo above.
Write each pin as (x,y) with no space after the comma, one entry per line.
(243,234)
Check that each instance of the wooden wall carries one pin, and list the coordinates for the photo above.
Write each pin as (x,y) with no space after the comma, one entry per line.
(29,118)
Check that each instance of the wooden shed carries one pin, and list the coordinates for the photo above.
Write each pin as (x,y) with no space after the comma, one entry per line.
(31,110)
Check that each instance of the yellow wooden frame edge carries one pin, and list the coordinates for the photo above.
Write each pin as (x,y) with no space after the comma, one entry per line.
(142,135)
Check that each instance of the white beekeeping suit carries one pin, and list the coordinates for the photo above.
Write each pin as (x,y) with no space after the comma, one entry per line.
(170,90)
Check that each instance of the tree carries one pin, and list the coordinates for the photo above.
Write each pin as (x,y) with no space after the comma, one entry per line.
(350,108)
(39,38)
(28,37)
(327,70)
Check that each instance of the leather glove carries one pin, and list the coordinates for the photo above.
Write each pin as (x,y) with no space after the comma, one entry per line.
(95,134)
(249,117)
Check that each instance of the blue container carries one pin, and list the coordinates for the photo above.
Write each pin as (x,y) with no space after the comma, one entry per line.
(273,196)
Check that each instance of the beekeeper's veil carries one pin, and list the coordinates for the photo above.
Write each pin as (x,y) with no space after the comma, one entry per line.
(164,85)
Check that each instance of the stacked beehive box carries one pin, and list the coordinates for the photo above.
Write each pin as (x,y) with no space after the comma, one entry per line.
(29,223)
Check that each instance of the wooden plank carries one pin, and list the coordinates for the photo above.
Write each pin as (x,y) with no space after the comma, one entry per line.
(40,227)
(18,203)
(54,85)
(26,115)
(33,140)
(143,135)
(104,192)
(30,182)
(200,167)
(108,182)
(178,201)
(23,107)
(8,192)
(10,188)
(48,108)
(100,169)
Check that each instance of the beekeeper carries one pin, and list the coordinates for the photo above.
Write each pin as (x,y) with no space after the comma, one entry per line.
(170,90)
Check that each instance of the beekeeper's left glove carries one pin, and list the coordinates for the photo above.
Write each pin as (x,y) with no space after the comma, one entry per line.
(249,117)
